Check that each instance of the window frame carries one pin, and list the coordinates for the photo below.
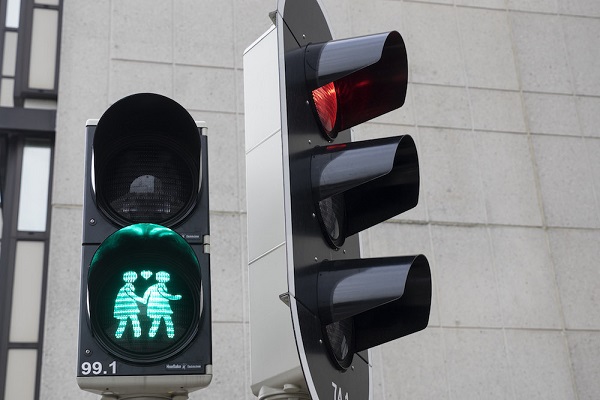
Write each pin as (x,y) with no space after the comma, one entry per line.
(15,144)
(22,91)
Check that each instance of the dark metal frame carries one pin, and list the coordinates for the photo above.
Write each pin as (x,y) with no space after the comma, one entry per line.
(19,126)
(3,29)
(10,235)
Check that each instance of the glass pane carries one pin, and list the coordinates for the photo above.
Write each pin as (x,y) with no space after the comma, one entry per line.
(10,53)
(7,90)
(21,370)
(40,104)
(27,292)
(47,2)
(13,11)
(35,179)
(42,62)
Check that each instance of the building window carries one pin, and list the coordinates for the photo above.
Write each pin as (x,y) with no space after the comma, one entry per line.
(29,40)
(29,60)
(33,198)
(26,173)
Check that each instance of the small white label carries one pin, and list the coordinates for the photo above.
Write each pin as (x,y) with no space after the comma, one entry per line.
(183,366)
(338,393)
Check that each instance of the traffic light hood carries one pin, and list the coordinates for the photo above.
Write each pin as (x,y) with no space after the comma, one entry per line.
(354,80)
(387,298)
(146,164)
(144,116)
(333,60)
(357,185)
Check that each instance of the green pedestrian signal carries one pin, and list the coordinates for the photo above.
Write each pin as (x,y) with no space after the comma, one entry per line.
(156,299)
(145,293)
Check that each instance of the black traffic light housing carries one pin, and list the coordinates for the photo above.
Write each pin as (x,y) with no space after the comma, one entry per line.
(341,304)
(145,318)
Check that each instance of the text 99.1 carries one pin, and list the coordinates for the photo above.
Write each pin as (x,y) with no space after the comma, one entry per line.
(96,368)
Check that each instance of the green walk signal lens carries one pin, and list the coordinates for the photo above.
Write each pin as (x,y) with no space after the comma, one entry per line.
(145,293)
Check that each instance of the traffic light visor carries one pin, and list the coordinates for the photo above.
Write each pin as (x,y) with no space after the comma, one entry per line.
(144,293)
(359,184)
(354,80)
(146,161)
(363,303)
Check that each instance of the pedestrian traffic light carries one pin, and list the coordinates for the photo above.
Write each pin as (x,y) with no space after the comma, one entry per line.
(310,191)
(144,267)
(145,320)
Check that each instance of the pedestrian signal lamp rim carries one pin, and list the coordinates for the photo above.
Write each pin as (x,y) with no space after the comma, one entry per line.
(144,294)
(354,80)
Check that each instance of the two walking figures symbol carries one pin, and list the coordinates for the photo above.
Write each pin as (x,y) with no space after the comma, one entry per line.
(156,298)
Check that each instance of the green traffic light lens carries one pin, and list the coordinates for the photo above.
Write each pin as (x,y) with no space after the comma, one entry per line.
(145,293)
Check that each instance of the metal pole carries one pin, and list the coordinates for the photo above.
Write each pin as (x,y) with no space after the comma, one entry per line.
(289,392)
(145,397)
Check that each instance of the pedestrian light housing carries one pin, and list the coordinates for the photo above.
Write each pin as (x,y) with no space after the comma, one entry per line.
(144,311)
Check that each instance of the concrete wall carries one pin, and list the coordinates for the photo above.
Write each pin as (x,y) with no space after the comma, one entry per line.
(504,104)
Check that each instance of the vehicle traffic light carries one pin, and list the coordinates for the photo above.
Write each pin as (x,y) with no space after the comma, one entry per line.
(145,320)
(310,191)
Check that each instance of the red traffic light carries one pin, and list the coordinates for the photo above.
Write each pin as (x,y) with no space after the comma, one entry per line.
(354,80)
(326,103)
(318,191)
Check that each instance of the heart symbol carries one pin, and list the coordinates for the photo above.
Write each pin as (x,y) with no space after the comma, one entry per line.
(146,274)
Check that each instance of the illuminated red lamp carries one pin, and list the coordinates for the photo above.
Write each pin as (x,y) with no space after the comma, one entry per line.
(357,79)
(325,99)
